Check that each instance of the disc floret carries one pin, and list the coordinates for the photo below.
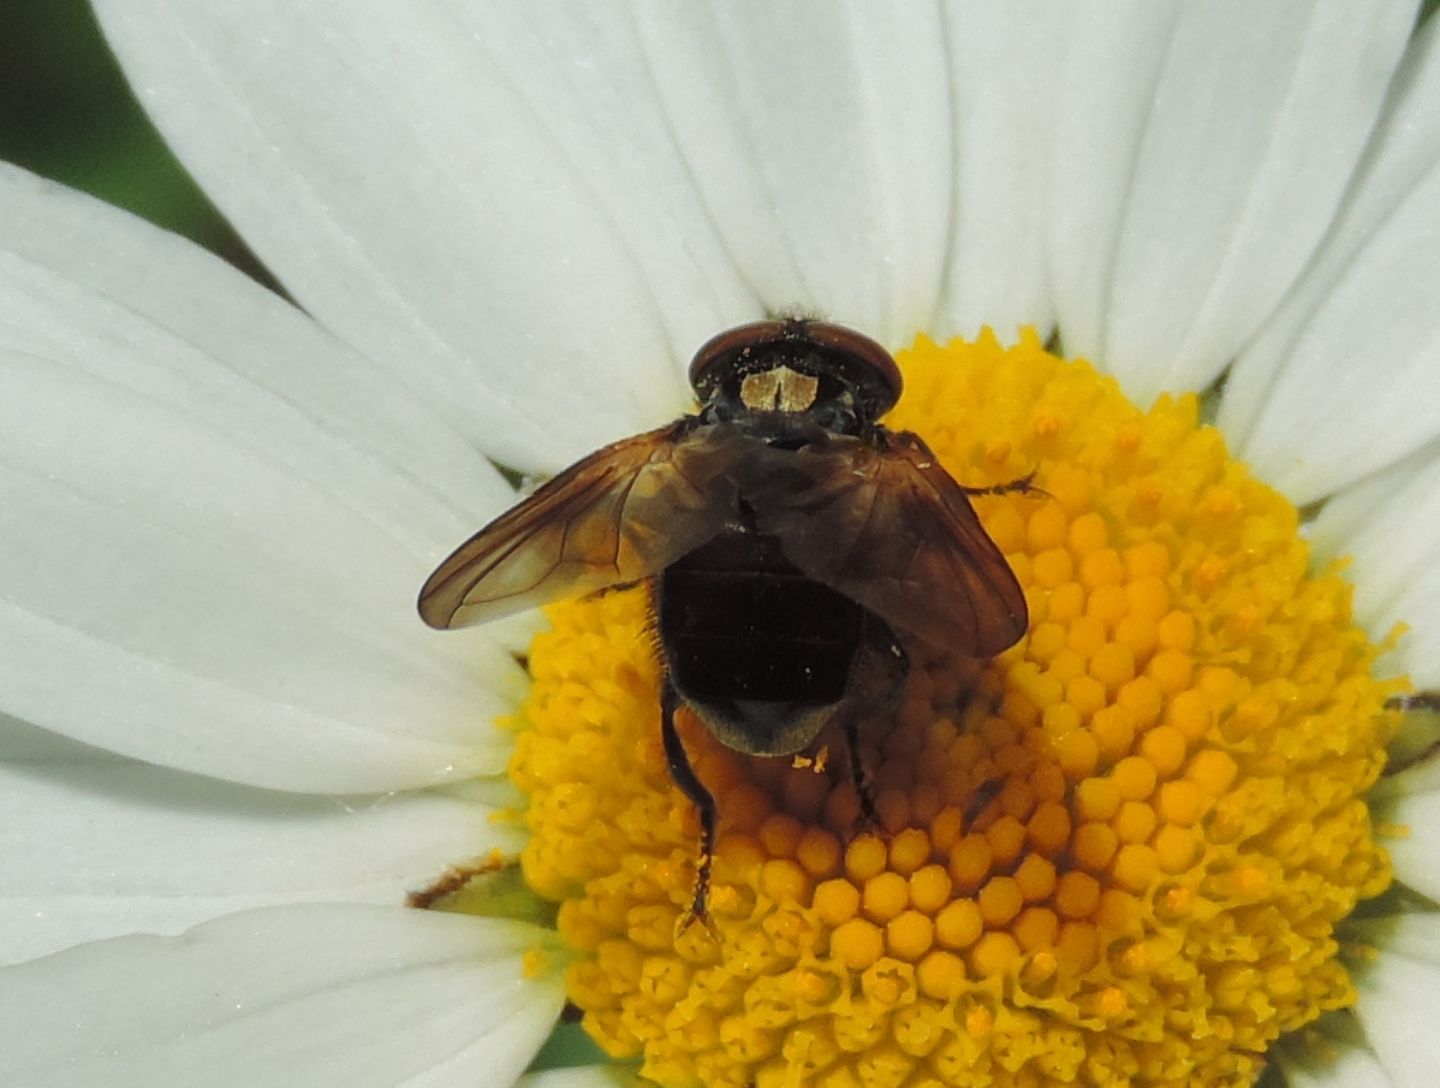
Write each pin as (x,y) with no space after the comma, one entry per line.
(1117,854)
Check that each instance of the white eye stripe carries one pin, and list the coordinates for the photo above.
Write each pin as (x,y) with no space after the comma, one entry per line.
(779,390)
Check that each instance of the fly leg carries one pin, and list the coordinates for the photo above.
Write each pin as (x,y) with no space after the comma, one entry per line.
(863,788)
(980,799)
(700,797)
(1025,485)
(879,670)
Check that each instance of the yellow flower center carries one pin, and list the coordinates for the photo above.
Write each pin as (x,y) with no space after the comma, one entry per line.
(1114,855)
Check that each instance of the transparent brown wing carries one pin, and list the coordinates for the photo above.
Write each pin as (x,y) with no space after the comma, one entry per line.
(620,515)
(890,528)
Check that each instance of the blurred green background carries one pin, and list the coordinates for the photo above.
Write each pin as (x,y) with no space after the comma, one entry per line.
(67,113)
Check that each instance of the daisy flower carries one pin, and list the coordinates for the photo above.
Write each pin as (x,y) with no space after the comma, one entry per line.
(1177,258)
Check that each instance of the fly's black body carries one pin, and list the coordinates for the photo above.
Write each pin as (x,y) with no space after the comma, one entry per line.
(754,644)
(792,545)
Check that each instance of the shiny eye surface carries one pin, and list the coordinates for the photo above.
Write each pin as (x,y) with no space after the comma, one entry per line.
(853,359)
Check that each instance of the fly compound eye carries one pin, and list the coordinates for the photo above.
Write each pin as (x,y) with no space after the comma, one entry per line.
(814,347)
(861,362)
(725,353)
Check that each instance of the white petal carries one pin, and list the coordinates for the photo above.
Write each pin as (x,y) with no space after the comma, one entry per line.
(819,132)
(1003,104)
(1190,184)
(306,996)
(22,742)
(1323,1062)
(517,631)
(1387,527)
(1411,799)
(98,850)
(486,198)
(1353,1067)
(581,1076)
(1398,996)
(1343,379)
(213,529)
(101,291)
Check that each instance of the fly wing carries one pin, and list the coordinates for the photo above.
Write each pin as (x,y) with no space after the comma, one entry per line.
(887,526)
(620,515)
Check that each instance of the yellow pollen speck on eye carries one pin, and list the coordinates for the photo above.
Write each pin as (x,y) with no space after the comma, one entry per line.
(1116,855)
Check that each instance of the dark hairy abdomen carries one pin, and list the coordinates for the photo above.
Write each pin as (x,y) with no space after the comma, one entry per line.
(739,621)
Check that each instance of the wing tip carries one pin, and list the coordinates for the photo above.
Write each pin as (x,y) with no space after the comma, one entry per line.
(434,615)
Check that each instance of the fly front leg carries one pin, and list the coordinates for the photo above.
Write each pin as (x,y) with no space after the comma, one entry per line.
(1025,485)
(699,796)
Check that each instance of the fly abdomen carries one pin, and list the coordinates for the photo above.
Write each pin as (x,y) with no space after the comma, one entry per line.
(738,622)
